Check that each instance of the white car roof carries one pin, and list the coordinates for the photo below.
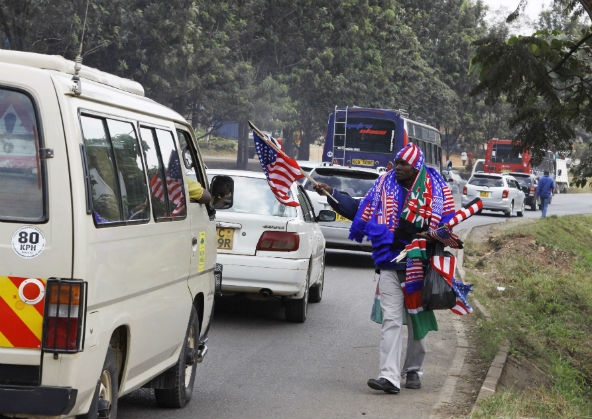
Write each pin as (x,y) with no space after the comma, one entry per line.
(347,168)
(233,172)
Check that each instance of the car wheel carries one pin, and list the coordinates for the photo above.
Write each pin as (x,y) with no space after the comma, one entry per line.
(316,291)
(508,213)
(521,212)
(104,404)
(183,373)
(296,308)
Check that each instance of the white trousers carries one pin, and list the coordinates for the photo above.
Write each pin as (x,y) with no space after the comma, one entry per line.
(391,334)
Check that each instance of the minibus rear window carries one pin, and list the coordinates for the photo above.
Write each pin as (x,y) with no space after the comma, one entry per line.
(117,180)
(21,174)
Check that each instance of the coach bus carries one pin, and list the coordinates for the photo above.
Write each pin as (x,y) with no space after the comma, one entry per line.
(370,137)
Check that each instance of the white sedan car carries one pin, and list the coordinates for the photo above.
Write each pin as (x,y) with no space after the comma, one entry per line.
(267,248)
(498,191)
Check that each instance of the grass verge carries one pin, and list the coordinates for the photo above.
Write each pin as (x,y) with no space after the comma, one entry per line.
(536,282)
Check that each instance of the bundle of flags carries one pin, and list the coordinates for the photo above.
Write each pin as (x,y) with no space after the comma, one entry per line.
(445,265)
(280,170)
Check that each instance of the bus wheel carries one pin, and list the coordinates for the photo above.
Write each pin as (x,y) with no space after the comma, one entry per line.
(182,374)
(104,404)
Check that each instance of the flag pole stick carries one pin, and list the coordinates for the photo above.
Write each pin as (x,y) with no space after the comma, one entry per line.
(263,137)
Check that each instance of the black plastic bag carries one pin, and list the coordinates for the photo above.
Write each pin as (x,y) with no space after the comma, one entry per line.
(436,293)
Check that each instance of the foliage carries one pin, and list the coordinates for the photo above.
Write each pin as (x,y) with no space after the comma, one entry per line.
(546,78)
(544,310)
(284,64)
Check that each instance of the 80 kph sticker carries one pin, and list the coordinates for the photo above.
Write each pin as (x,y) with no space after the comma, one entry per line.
(28,242)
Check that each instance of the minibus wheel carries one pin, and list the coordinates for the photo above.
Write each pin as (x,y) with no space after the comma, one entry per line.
(183,374)
(104,404)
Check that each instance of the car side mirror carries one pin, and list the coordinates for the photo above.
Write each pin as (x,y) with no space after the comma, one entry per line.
(222,190)
(326,215)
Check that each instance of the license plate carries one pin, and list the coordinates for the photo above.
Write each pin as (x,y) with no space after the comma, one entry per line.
(363,162)
(339,217)
(225,236)
(484,194)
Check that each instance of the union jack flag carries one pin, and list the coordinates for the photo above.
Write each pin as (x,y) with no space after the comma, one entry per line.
(174,185)
(280,170)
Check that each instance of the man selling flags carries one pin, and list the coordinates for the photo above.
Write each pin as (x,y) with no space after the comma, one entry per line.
(395,215)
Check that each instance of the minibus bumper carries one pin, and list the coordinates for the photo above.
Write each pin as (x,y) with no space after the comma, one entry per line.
(35,400)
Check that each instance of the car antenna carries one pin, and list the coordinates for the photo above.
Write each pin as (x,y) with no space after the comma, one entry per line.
(77,88)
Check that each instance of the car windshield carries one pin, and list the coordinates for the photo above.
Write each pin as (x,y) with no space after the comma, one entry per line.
(253,196)
(488,181)
(354,183)
(523,180)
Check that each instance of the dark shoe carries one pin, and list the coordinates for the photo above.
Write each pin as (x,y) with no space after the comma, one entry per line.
(383,384)
(413,380)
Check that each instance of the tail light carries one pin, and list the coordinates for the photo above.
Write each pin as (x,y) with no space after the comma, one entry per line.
(505,193)
(278,241)
(531,189)
(464,190)
(65,302)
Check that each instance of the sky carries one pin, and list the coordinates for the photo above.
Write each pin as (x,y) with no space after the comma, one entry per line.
(500,9)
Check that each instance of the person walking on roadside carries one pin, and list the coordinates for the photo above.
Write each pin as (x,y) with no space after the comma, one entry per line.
(396,211)
(463,158)
(544,190)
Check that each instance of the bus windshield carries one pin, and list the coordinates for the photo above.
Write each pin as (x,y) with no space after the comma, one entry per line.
(505,153)
(368,135)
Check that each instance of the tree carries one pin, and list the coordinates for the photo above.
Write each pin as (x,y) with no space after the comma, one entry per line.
(547,79)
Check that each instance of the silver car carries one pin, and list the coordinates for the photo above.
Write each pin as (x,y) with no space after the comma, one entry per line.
(498,191)
(354,181)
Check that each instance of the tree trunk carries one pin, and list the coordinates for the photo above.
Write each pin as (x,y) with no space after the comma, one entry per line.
(242,156)
(307,135)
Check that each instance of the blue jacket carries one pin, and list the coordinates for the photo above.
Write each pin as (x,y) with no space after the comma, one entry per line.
(545,187)
(348,207)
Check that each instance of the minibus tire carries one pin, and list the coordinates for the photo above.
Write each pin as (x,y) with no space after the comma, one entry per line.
(180,394)
(109,372)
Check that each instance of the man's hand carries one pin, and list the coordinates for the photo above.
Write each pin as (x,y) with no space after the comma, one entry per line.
(322,188)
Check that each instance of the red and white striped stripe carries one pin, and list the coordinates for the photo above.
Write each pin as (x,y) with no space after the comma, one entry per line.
(412,154)
(281,176)
(460,308)
(464,213)
(445,265)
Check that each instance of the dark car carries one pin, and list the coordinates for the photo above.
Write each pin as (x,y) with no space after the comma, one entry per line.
(528,183)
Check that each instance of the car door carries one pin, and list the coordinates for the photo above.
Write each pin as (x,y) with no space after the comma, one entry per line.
(313,235)
(203,233)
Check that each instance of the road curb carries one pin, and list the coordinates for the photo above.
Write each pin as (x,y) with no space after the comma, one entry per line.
(489,385)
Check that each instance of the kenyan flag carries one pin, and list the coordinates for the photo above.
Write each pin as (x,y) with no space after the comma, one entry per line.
(418,207)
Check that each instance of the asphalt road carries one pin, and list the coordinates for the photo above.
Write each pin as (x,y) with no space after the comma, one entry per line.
(261,366)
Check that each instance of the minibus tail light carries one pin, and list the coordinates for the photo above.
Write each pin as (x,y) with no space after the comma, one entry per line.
(465,190)
(279,241)
(65,303)
(505,193)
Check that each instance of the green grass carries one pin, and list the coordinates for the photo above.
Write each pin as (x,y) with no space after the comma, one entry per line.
(544,311)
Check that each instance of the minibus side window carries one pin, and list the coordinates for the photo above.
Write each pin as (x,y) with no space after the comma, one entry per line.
(132,181)
(162,162)
(174,175)
(118,184)
(190,158)
(21,170)
(104,187)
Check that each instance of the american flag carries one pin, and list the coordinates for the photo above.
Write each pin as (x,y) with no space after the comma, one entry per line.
(280,170)
(174,181)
